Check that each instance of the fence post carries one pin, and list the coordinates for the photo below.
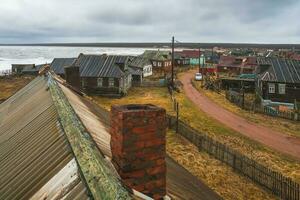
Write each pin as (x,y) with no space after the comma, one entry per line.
(234,161)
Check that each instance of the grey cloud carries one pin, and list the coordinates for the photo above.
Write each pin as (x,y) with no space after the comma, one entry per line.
(143,20)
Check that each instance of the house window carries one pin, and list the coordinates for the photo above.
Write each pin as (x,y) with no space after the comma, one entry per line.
(271,88)
(154,63)
(111,82)
(83,82)
(99,82)
(159,64)
(281,88)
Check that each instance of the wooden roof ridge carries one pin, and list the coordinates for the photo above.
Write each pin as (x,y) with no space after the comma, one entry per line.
(97,174)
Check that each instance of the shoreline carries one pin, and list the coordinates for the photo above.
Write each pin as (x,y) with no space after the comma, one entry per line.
(163,45)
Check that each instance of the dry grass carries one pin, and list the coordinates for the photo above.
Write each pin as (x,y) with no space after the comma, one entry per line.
(285,126)
(206,124)
(10,85)
(215,174)
(202,122)
(156,96)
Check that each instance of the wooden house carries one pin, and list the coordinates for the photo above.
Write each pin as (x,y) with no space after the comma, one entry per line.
(230,65)
(193,55)
(278,79)
(249,65)
(181,60)
(58,65)
(160,60)
(141,63)
(106,75)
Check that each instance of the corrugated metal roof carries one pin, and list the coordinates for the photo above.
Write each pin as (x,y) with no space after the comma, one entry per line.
(280,70)
(58,64)
(180,183)
(139,61)
(33,147)
(101,65)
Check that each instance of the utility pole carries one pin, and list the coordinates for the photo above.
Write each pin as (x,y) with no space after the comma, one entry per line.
(200,61)
(172,81)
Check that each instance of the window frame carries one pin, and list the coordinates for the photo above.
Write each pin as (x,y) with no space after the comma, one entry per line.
(271,88)
(281,88)
(111,80)
(99,82)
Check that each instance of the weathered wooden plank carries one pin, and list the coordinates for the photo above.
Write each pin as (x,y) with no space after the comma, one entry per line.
(99,178)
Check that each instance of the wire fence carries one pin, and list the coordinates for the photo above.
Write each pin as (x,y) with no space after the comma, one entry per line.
(274,182)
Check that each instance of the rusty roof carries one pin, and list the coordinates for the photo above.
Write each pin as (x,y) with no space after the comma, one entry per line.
(33,148)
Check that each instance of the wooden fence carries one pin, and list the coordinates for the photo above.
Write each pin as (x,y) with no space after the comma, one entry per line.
(273,182)
(237,99)
(5,72)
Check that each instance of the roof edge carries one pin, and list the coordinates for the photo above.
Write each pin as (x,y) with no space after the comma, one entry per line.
(96,172)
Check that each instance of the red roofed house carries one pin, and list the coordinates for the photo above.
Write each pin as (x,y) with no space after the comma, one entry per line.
(249,65)
(229,64)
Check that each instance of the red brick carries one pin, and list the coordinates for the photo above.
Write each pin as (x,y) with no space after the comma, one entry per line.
(138,147)
(156,170)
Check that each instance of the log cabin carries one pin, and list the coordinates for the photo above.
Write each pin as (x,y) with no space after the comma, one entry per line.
(278,79)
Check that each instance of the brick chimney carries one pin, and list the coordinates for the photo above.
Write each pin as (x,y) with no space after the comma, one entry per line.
(73,76)
(138,143)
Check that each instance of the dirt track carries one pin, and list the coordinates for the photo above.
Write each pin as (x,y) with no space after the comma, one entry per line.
(278,141)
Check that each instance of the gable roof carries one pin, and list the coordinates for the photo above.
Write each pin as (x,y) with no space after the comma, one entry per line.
(229,61)
(280,70)
(139,61)
(35,158)
(157,55)
(101,65)
(191,53)
(35,148)
(58,64)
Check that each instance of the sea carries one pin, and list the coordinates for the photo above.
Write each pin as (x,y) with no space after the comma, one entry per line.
(44,54)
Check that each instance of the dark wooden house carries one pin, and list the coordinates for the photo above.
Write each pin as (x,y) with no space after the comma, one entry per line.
(140,63)
(249,65)
(58,65)
(160,60)
(181,60)
(28,69)
(230,65)
(278,79)
(106,75)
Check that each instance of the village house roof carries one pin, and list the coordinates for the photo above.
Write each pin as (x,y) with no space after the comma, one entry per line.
(139,61)
(229,61)
(252,61)
(48,136)
(280,70)
(101,65)
(190,53)
(157,55)
(58,64)
(35,158)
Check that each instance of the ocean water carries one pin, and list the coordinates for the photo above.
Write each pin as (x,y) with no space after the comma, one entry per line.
(41,55)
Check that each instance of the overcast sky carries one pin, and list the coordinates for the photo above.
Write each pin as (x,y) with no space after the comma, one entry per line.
(256,21)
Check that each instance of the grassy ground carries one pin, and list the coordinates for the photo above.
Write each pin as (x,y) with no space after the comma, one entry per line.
(199,120)
(204,123)
(10,85)
(154,95)
(285,126)
(215,174)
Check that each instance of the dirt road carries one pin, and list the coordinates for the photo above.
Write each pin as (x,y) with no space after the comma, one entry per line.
(278,141)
